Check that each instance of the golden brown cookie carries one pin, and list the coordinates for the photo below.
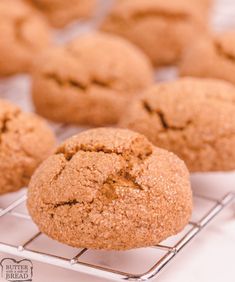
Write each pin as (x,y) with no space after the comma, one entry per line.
(62,12)
(211,57)
(25,141)
(162,29)
(194,118)
(23,34)
(110,189)
(90,80)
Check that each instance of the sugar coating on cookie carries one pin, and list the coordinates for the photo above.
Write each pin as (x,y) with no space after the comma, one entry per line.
(162,29)
(24,33)
(61,12)
(110,189)
(194,118)
(211,57)
(90,80)
(25,141)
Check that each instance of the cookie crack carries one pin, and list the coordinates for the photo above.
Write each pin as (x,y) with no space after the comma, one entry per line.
(43,6)
(223,53)
(69,155)
(4,129)
(176,17)
(75,84)
(18,27)
(161,14)
(66,203)
(122,179)
(164,123)
(64,83)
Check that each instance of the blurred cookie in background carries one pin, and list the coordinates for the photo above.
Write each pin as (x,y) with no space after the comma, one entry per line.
(162,29)
(206,5)
(194,118)
(61,12)
(25,141)
(90,80)
(211,57)
(24,33)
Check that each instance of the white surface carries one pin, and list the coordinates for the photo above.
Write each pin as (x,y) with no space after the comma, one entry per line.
(211,256)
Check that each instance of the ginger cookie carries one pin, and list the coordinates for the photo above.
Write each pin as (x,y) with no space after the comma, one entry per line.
(194,118)
(211,57)
(25,141)
(89,81)
(110,189)
(162,29)
(61,12)
(24,33)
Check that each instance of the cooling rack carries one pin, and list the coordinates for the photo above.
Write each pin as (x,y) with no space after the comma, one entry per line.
(163,253)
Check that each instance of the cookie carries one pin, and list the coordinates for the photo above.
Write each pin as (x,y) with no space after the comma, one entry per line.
(194,118)
(162,29)
(206,3)
(211,57)
(90,80)
(61,12)
(25,141)
(24,33)
(110,189)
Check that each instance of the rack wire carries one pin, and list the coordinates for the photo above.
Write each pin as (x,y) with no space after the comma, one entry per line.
(166,251)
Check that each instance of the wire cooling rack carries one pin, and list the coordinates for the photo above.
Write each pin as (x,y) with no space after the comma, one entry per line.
(83,259)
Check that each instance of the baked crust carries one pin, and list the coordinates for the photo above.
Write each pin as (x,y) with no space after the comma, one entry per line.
(211,57)
(62,12)
(24,34)
(25,141)
(110,189)
(89,81)
(194,118)
(162,29)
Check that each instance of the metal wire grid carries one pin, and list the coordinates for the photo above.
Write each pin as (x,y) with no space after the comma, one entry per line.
(168,251)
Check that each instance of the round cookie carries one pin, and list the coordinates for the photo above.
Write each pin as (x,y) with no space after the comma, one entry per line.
(24,33)
(194,118)
(61,12)
(211,57)
(110,189)
(162,29)
(25,141)
(90,80)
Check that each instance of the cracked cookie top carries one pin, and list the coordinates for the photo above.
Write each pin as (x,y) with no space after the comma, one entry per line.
(193,118)
(20,149)
(25,34)
(211,57)
(105,181)
(90,80)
